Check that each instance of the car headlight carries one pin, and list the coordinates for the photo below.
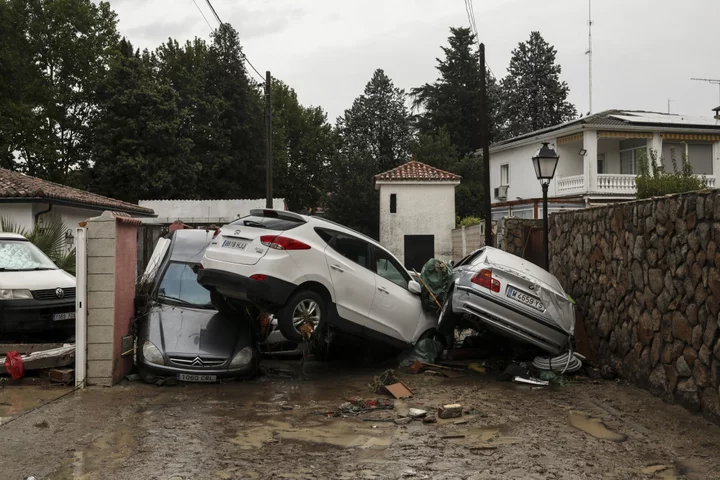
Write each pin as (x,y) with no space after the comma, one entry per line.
(243,357)
(152,354)
(15,295)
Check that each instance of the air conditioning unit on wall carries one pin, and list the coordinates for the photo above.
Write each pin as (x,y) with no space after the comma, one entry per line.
(501,192)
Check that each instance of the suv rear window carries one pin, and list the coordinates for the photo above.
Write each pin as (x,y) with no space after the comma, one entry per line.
(271,223)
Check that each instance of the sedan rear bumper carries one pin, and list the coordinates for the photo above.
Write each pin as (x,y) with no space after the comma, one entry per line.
(269,290)
(510,321)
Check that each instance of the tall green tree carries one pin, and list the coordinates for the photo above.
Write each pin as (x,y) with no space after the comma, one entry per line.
(62,50)
(534,97)
(235,149)
(452,103)
(303,146)
(139,150)
(374,135)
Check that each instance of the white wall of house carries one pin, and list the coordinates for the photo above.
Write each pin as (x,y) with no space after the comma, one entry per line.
(423,208)
(201,211)
(609,147)
(19,214)
(523,182)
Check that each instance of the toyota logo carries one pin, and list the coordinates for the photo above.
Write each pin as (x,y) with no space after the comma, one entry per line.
(59,292)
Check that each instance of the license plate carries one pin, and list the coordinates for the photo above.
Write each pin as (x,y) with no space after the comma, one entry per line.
(188,377)
(57,317)
(234,244)
(525,298)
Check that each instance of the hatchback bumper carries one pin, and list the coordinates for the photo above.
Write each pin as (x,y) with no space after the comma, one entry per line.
(269,290)
(172,371)
(512,322)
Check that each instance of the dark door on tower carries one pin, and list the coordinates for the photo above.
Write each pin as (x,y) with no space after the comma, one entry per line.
(418,250)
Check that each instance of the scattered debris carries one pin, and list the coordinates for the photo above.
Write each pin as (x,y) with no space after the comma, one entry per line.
(62,375)
(398,390)
(460,422)
(477,367)
(55,357)
(515,370)
(594,427)
(133,377)
(652,469)
(454,410)
(426,350)
(356,406)
(429,419)
(531,381)
(287,407)
(403,420)
(417,413)
(43,424)
(14,365)
(450,437)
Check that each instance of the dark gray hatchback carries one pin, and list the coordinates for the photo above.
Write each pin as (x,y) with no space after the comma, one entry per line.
(181,335)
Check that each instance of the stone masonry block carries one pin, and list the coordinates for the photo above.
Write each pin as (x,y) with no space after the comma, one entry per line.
(101,282)
(101,247)
(101,265)
(99,334)
(99,368)
(101,299)
(97,230)
(100,351)
(100,317)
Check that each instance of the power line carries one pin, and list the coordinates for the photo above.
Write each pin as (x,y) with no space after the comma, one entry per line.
(203,15)
(217,17)
(473,29)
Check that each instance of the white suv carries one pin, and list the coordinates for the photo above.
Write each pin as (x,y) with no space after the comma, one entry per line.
(310,273)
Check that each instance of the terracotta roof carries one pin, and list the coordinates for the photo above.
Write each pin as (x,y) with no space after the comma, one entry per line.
(17,185)
(417,171)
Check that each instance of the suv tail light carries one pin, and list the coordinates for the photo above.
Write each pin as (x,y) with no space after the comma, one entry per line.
(283,243)
(484,279)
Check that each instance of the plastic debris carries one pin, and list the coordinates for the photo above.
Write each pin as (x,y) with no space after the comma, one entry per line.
(426,350)
(14,365)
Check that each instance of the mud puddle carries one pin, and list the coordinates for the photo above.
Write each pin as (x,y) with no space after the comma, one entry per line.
(15,400)
(105,454)
(594,427)
(337,433)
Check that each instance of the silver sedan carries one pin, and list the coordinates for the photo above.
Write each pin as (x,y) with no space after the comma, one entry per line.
(511,296)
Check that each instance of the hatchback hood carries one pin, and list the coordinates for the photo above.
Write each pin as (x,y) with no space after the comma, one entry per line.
(189,331)
(36,280)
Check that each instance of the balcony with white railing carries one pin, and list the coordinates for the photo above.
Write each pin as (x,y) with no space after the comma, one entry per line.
(607,183)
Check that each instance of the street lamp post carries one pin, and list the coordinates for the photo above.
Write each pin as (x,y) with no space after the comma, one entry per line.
(545,162)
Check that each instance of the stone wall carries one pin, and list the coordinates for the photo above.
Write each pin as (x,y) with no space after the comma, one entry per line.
(647,276)
(515,234)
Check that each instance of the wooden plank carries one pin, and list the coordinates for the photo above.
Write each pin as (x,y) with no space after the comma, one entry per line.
(57,357)
(27,348)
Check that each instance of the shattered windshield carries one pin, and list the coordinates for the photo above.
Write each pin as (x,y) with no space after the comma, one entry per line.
(179,285)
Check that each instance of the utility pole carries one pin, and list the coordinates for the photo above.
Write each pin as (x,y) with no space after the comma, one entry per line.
(485,140)
(268,145)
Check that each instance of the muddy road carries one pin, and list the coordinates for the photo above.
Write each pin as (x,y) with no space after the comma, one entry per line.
(275,427)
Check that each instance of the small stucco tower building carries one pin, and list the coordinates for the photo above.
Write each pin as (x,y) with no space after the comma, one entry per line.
(417,212)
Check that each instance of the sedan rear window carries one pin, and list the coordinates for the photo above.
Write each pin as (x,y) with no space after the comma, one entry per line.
(270,223)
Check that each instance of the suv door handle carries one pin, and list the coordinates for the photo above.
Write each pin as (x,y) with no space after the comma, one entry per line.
(336,267)
(384,290)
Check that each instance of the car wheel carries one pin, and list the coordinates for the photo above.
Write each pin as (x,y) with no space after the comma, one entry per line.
(300,316)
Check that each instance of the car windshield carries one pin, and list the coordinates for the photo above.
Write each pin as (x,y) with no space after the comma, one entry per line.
(179,285)
(21,255)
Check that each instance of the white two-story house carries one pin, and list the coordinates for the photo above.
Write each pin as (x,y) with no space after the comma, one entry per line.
(598,159)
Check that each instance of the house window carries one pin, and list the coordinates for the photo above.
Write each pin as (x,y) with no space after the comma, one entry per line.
(504,174)
(630,152)
(698,154)
(601,163)
(393,203)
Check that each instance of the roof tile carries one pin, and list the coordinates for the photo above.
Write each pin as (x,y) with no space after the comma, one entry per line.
(18,185)
(417,171)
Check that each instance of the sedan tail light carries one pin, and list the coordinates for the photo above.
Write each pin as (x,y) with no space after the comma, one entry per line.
(484,279)
(283,243)
(216,233)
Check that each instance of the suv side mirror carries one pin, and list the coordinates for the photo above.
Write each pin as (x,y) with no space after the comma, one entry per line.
(414,287)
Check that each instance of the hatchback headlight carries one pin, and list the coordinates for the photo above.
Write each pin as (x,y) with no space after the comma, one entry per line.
(152,354)
(243,357)
(15,295)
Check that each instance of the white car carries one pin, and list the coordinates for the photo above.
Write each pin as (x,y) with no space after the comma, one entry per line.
(310,273)
(36,297)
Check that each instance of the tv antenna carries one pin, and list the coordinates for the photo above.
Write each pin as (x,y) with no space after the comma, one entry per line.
(589,54)
(715,81)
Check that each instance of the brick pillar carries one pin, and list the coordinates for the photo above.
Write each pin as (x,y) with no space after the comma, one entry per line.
(111,266)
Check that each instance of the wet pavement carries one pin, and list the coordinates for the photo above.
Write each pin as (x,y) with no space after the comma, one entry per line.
(276,427)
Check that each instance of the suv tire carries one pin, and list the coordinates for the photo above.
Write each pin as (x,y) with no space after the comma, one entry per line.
(301,316)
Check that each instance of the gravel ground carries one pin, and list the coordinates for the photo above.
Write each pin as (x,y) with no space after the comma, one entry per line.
(276,426)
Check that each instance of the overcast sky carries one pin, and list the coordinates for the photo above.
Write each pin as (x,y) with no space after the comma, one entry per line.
(645,51)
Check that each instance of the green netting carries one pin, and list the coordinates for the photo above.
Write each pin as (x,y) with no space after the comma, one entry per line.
(436,275)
